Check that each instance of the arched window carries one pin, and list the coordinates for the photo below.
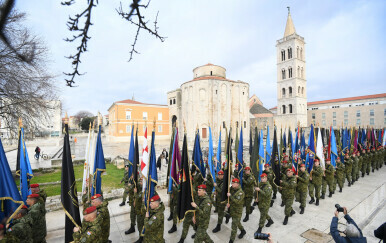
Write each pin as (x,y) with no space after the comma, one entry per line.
(301,72)
(283,108)
(283,74)
(290,91)
(302,90)
(289,52)
(299,90)
(301,53)
(298,72)
(283,55)
(283,92)
(297,52)
(290,72)
(290,108)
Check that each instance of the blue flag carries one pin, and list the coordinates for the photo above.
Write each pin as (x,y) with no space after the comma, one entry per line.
(25,168)
(99,166)
(131,152)
(268,148)
(311,149)
(152,179)
(240,161)
(218,167)
(261,155)
(211,157)
(303,147)
(197,156)
(334,150)
(10,199)
(284,141)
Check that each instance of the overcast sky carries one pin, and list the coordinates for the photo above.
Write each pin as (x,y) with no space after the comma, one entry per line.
(345,47)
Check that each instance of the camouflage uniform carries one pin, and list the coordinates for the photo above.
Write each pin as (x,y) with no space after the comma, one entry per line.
(368,161)
(301,188)
(373,160)
(359,167)
(209,185)
(236,201)
(140,210)
(354,168)
(248,187)
(288,193)
(328,179)
(221,206)
(203,209)
(340,174)
(43,196)
(174,202)
(103,219)
(37,214)
(316,182)
(91,232)
(364,162)
(270,177)
(85,199)
(348,165)
(264,197)
(131,202)
(19,230)
(154,225)
(125,180)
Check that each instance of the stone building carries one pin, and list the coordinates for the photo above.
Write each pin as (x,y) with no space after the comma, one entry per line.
(210,99)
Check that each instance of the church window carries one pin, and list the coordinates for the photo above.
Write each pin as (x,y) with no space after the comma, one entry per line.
(211,73)
(283,74)
(297,52)
(245,124)
(302,90)
(290,108)
(289,52)
(298,89)
(290,72)
(203,132)
(283,107)
(283,55)
(290,92)
(301,53)
(174,101)
(171,102)
(298,71)
(283,92)
(223,124)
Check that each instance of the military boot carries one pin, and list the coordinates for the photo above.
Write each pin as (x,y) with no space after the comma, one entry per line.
(217,229)
(173,229)
(258,230)
(246,218)
(352,183)
(311,201)
(170,217)
(122,204)
(227,217)
(181,240)
(274,196)
(272,201)
(349,184)
(301,210)
(340,189)
(363,174)
(372,170)
(330,195)
(322,197)
(131,230)
(215,210)
(317,202)
(285,220)
(230,241)
(282,204)
(270,222)
(254,203)
(194,236)
(139,240)
(292,212)
(241,235)
(368,173)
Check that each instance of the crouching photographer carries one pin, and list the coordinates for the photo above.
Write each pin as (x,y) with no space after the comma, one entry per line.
(262,236)
(352,233)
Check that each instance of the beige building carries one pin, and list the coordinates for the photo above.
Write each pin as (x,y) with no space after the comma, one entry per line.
(210,99)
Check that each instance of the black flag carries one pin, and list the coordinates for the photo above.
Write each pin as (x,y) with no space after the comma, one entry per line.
(69,194)
(255,155)
(275,163)
(185,195)
(227,169)
(136,160)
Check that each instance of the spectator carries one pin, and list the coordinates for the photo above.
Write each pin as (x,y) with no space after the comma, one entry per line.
(381,232)
(165,153)
(37,152)
(159,161)
(352,232)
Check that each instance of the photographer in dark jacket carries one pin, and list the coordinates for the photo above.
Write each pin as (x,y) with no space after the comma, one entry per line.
(381,232)
(352,232)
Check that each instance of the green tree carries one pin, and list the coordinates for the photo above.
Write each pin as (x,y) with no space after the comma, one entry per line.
(85,122)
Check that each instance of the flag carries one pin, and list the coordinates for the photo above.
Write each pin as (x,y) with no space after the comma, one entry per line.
(145,159)
(197,156)
(281,144)
(211,157)
(334,150)
(240,160)
(99,165)
(135,171)
(237,139)
(87,161)
(268,148)
(10,199)
(218,166)
(185,194)
(290,142)
(295,153)
(284,142)
(250,142)
(275,162)
(227,168)
(131,152)
(303,147)
(170,152)
(319,150)
(261,155)
(175,164)
(255,153)
(151,177)
(311,150)
(69,195)
(25,167)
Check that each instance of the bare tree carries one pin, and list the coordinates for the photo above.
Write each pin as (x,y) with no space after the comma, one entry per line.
(131,13)
(26,89)
(80,115)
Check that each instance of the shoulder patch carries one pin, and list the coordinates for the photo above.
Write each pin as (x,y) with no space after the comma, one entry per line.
(208,204)
(89,233)
(154,217)
(10,229)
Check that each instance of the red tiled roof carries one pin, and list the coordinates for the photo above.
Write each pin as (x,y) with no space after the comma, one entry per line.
(129,101)
(364,97)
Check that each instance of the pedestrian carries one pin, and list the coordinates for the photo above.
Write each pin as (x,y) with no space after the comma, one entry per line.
(235,205)
(202,216)
(165,153)
(91,230)
(103,215)
(353,232)
(37,152)
(264,196)
(154,221)
(37,213)
(270,177)
(159,161)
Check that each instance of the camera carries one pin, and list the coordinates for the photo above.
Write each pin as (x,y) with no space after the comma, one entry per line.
(261,236)
(339,208)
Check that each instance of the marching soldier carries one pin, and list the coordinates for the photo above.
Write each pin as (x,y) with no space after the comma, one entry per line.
(315,183)
(202,217)
(354,167)
(125,179)
(348,165)
(140,210)
(37,213)
(173,207)
(19,230)
(130,187)
(360,160)
(328,178)
(90,231)
(103,215)
(220,206)
(288,186)
(35,189)
(264,191)
(154,221)
(340,173)
(367,160)
(248,185)
(303,179)
(236,203)
(364,163)
(208,181)
(270,177)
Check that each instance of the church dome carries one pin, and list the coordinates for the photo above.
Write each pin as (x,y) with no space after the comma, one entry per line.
(209,70)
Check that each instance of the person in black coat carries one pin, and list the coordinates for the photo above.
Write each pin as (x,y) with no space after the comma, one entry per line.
(352,232)
(381,232)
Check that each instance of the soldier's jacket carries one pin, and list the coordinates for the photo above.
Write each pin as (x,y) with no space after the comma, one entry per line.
(85,198)
(91,232)
(249,183)
(348,163)
(154,225)
(19,231)
(209,184)
(303,179)
(289,186)
(174,196)
(270,176)
(131,190)
(37,214)
(236,201)
(357,161)
(264,195)
(284,170)
(339,169)
(329,172)
(125,177)
(197,180)
(43,196)
(317,174)
(204,205)
(218,189)
(103,219)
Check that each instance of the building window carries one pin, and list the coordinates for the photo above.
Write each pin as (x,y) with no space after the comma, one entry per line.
(159,116)
(128,128)
(358,113)
(171,102)
(358,121)
(297,52)
(174,101)
(290,72)
(245,124)
(283,107)
(160,128)
(313,115)
(384,112)
(345,114)
(289,52)
(371,121)
(298,72)
(144,115)
(301,53)
(345,122)
(128,115)
(302,90)
(211,73)
(334,115)
(283,94)
(302,72)
(203,132)
(334,123)
(290,91)
(371,112)
(323,122)
(290,108)
(323,115)
(283,55)
(283,74)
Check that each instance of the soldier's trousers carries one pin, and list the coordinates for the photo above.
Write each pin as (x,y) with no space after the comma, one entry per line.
(302,197)
(359,168)
(354,171)
(364,166)
(247,204)
(368,164)
(132,214)
(373,164)
(335,182)
(220,212)
(340,181)
(314,190)
(188,221)
(236,224)
(288,201)
(125,192)
(202,235)
(330,184)
(174,208)
(274,188)
(348,174)
(140,222)
(263,216)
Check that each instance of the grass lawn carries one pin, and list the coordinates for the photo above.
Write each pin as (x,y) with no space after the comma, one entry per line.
(111,180)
